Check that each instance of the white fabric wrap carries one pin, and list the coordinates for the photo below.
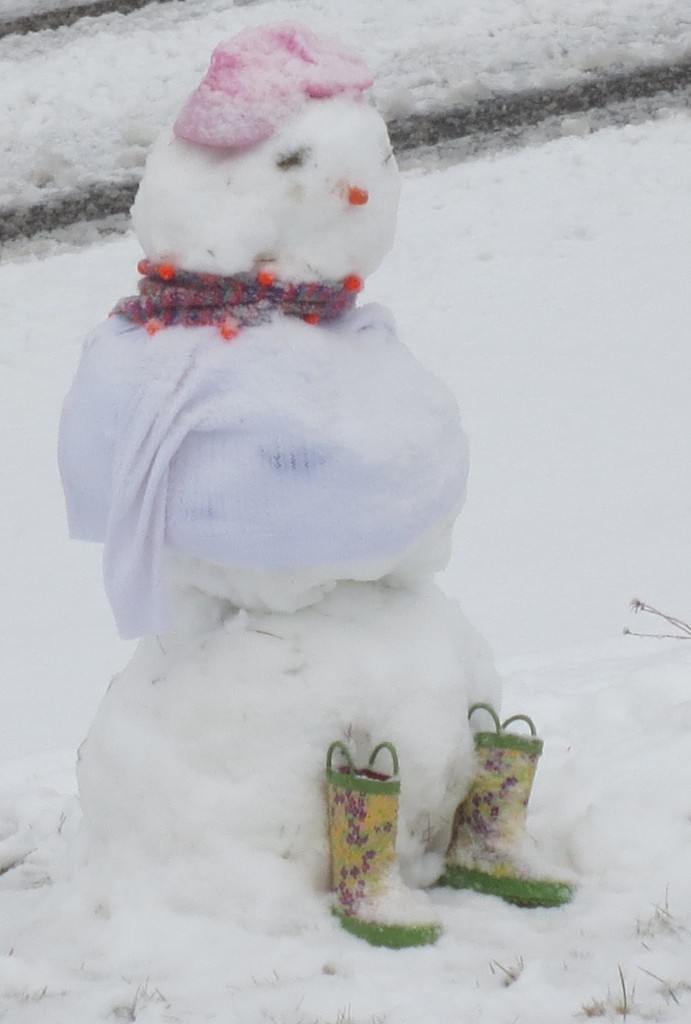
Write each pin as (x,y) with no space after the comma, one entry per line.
(293,445)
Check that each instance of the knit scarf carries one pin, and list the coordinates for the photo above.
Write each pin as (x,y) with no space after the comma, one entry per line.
(169,296)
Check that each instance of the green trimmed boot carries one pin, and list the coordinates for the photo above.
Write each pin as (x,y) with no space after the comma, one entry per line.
(490,851)
(371,899)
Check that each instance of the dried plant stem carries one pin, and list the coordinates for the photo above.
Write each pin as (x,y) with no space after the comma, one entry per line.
(625,1006)
(683,627)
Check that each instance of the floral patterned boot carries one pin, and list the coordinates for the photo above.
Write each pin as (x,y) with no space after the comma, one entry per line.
(371,899)
(490,850)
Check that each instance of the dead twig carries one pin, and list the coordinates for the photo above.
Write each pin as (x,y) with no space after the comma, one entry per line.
(683,627)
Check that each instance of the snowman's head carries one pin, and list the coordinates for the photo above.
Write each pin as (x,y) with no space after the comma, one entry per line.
(277,161)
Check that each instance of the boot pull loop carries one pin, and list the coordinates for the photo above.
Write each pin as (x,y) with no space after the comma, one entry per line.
(500,727)
(490,711)
(386,745)
(339,746)
(343,750)
(520,718)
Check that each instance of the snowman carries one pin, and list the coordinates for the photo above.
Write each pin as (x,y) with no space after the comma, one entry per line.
(274,479)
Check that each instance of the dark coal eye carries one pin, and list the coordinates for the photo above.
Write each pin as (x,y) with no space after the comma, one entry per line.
(295,158)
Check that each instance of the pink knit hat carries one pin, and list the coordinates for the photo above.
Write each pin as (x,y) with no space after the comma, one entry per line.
(261,78)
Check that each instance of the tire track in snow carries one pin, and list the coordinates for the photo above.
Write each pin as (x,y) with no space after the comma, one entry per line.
(453,134)
(62,17)
(525,109)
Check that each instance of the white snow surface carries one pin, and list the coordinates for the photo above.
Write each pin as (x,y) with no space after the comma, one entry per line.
(547,287)
(84,103)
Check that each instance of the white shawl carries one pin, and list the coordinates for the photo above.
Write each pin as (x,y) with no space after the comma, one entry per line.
(291,446)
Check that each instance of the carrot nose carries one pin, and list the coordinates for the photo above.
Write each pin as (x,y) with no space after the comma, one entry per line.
(357,196)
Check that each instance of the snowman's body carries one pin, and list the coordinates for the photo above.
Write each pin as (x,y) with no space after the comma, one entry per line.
(274,508)
(207,755)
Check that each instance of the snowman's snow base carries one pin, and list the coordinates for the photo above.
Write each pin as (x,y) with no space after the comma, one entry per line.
(208,751)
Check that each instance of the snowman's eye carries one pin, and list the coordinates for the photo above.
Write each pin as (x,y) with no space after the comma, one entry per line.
(295,158)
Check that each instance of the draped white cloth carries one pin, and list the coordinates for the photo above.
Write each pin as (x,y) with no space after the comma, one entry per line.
(291,446)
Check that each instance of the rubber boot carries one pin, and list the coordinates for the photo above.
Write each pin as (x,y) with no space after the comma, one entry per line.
(371,900)
(490,851)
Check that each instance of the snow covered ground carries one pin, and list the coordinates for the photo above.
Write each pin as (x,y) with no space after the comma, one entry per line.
(85,102)
(548,287)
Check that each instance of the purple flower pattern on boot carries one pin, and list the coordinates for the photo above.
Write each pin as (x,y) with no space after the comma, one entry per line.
(494,811)
(363,833)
